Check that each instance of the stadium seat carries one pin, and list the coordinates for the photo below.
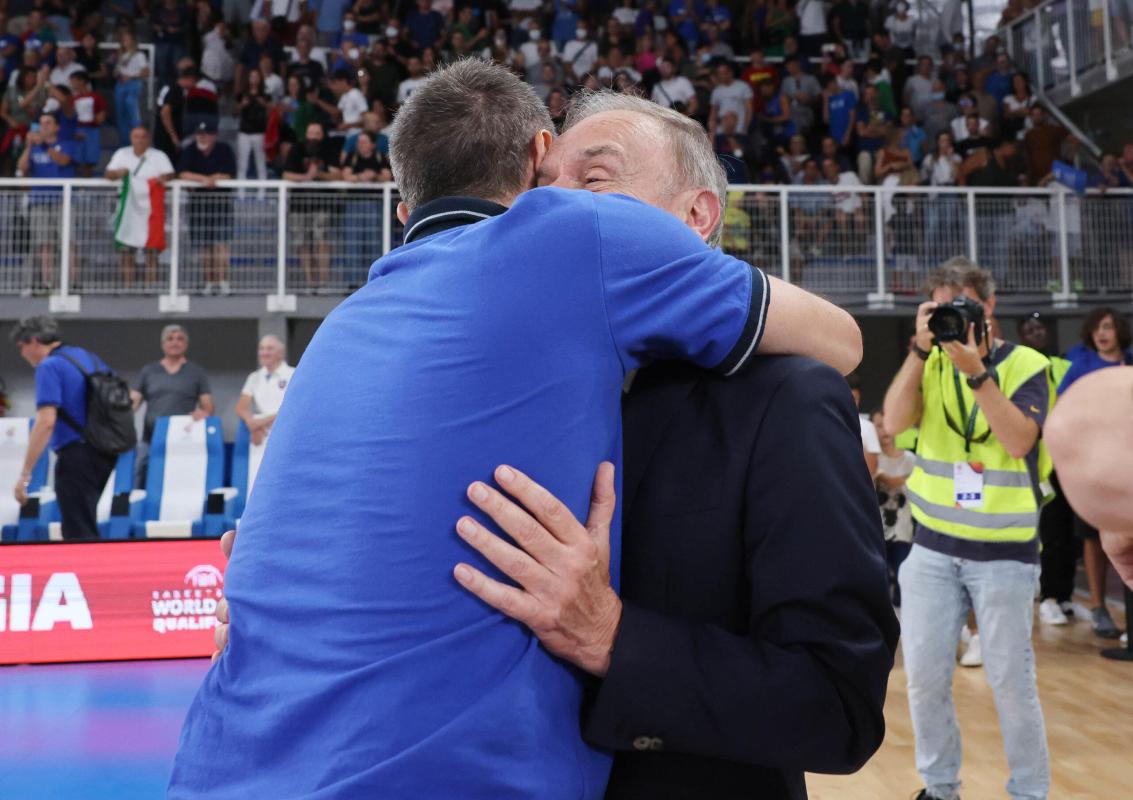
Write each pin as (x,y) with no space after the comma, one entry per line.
(246,458)
(22,523)
(184,496)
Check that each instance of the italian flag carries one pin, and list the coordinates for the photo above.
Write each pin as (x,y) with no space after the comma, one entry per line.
(140,219)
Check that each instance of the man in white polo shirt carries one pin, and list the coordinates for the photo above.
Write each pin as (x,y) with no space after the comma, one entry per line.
(263,391)
(140,220)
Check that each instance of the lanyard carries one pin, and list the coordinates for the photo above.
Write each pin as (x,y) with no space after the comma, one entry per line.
(970,421)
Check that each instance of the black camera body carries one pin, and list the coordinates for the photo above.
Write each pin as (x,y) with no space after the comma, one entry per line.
(949,321)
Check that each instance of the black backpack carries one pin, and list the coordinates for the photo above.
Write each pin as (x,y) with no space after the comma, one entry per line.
(110,412)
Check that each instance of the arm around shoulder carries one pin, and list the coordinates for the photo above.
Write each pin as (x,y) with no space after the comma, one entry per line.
(801,323)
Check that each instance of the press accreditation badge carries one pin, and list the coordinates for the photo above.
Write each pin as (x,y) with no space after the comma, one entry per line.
(969,485)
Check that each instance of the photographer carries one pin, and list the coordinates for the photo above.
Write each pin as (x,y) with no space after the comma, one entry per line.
(975,493)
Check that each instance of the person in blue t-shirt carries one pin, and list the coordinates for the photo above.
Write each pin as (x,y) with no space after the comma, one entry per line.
(47,155)
(81,471)
(839,110)
(1105,343)
(494,334)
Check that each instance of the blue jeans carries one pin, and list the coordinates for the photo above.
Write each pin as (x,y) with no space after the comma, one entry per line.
(937,591)
(127,115)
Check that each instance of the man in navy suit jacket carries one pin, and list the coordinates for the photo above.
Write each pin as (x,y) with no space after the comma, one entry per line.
(754,633)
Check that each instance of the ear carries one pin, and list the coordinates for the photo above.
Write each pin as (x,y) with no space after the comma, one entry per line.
(701,211)
(989,307)
(403,213)
(540,145)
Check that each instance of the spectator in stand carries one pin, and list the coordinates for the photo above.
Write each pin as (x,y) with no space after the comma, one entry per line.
(471,26)
(172,386)
(296,111)
(65,67)
(992,167)
(260,44)
(22,103)
(795,158)
(580,53)
(998,81)
(873,122)
(919,88)
(309,220)
(81,471)
(811,211)
(812,26)
(370,17)
(730,95)
(206,162)
(1042,144)
(878,76)
(170,22)
(425,25)
(385,74)
(913,137)
(943,211)
(759,71)
(776,124)
(713,45)
(673,90)
(720,16)
(1016,108)
(47,156)
(830,151)
(137,163)
(961,129)
(38,30)
(366,164)
(130,70)
(11,47)
(305,66)
(782,26)
(986,103)
(902,30)
(252,107)
(262,395)
(273,85)
(974,138)
(802,91)
(170,127)
(684,18)
(567,15)
(352,104)
(90,114)
(845,77)
(217,63)
(1106,340)
(839,112)
(939,112)
(849,212)
(849,21)
(416,77)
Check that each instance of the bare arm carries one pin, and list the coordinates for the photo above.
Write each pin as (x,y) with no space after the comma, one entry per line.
(205,403)
(136,399)
(804,324)
(38,438)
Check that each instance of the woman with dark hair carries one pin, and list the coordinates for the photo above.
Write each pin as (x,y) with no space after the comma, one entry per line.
(1105,343)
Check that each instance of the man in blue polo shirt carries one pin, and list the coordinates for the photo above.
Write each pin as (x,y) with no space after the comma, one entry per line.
(47,156)
(81,471)
(358,667)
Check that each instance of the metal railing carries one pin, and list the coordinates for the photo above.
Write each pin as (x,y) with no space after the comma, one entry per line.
(1060,41)
(280,240)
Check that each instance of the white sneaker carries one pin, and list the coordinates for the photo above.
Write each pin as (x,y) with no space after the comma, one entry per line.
(225,288)
(1050,612)
(210,287)
(972,656)
(1125,639)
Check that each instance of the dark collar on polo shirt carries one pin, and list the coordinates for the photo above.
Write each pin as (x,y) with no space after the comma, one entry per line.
(446,213)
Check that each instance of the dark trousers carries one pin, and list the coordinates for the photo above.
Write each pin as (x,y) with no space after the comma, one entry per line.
(895,553)
(1059,558)
(81,473)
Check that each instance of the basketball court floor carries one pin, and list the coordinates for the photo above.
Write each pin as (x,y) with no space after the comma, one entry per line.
(109,731)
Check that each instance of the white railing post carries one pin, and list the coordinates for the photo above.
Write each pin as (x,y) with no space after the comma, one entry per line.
(387,218)
(973,251)
(281,301)
(1037,19)
(879,298)
(1107,42)
(1072,49)
(174,302)
(64,301)
(1065,296)
(785,235)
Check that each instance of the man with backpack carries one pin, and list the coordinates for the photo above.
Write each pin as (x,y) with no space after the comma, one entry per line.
(83,411)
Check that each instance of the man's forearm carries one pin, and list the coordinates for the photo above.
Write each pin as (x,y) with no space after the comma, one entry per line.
(902,404)
(1015,430)
(801,323)
(37,442)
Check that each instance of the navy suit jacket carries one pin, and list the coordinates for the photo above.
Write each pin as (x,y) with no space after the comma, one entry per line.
(757,635)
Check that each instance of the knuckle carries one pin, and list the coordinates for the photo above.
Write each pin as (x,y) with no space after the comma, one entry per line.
(517,567)
(552,509)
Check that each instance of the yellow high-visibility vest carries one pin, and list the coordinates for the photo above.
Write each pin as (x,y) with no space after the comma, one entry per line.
(1009,511)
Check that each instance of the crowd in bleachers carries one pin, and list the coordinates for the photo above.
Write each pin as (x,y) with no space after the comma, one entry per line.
(779,85)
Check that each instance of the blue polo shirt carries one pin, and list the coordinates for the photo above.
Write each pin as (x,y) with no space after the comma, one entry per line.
(841,105)
(357,667)
(42,165)
(60,385)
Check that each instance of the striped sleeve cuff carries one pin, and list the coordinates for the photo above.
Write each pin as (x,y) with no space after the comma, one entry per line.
(752,333)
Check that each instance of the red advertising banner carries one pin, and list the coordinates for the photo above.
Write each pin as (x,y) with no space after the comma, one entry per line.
(108,601)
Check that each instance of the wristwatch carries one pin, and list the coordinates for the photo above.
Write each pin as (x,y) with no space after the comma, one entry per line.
(979,380)
(921,354)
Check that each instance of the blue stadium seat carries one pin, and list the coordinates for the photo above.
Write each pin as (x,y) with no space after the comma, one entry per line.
(246,458)
(119,507)
(184,496)
(22,523)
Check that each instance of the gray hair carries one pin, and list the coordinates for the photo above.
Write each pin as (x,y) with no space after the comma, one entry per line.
(171,329)
(960,272)
(42,329)
(467,130)
(271,337)
(694,159)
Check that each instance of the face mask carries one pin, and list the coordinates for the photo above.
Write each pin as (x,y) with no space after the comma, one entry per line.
(580,33)
(352,54)
(938,95)
(391,32)
(535,35)
(348,25)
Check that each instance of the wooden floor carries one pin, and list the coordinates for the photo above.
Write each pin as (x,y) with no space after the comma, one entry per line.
(1088,704)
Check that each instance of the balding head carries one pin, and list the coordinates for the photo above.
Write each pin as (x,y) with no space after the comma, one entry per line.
(271,352)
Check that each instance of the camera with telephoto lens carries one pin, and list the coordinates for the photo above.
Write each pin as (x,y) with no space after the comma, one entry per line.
(949,321)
